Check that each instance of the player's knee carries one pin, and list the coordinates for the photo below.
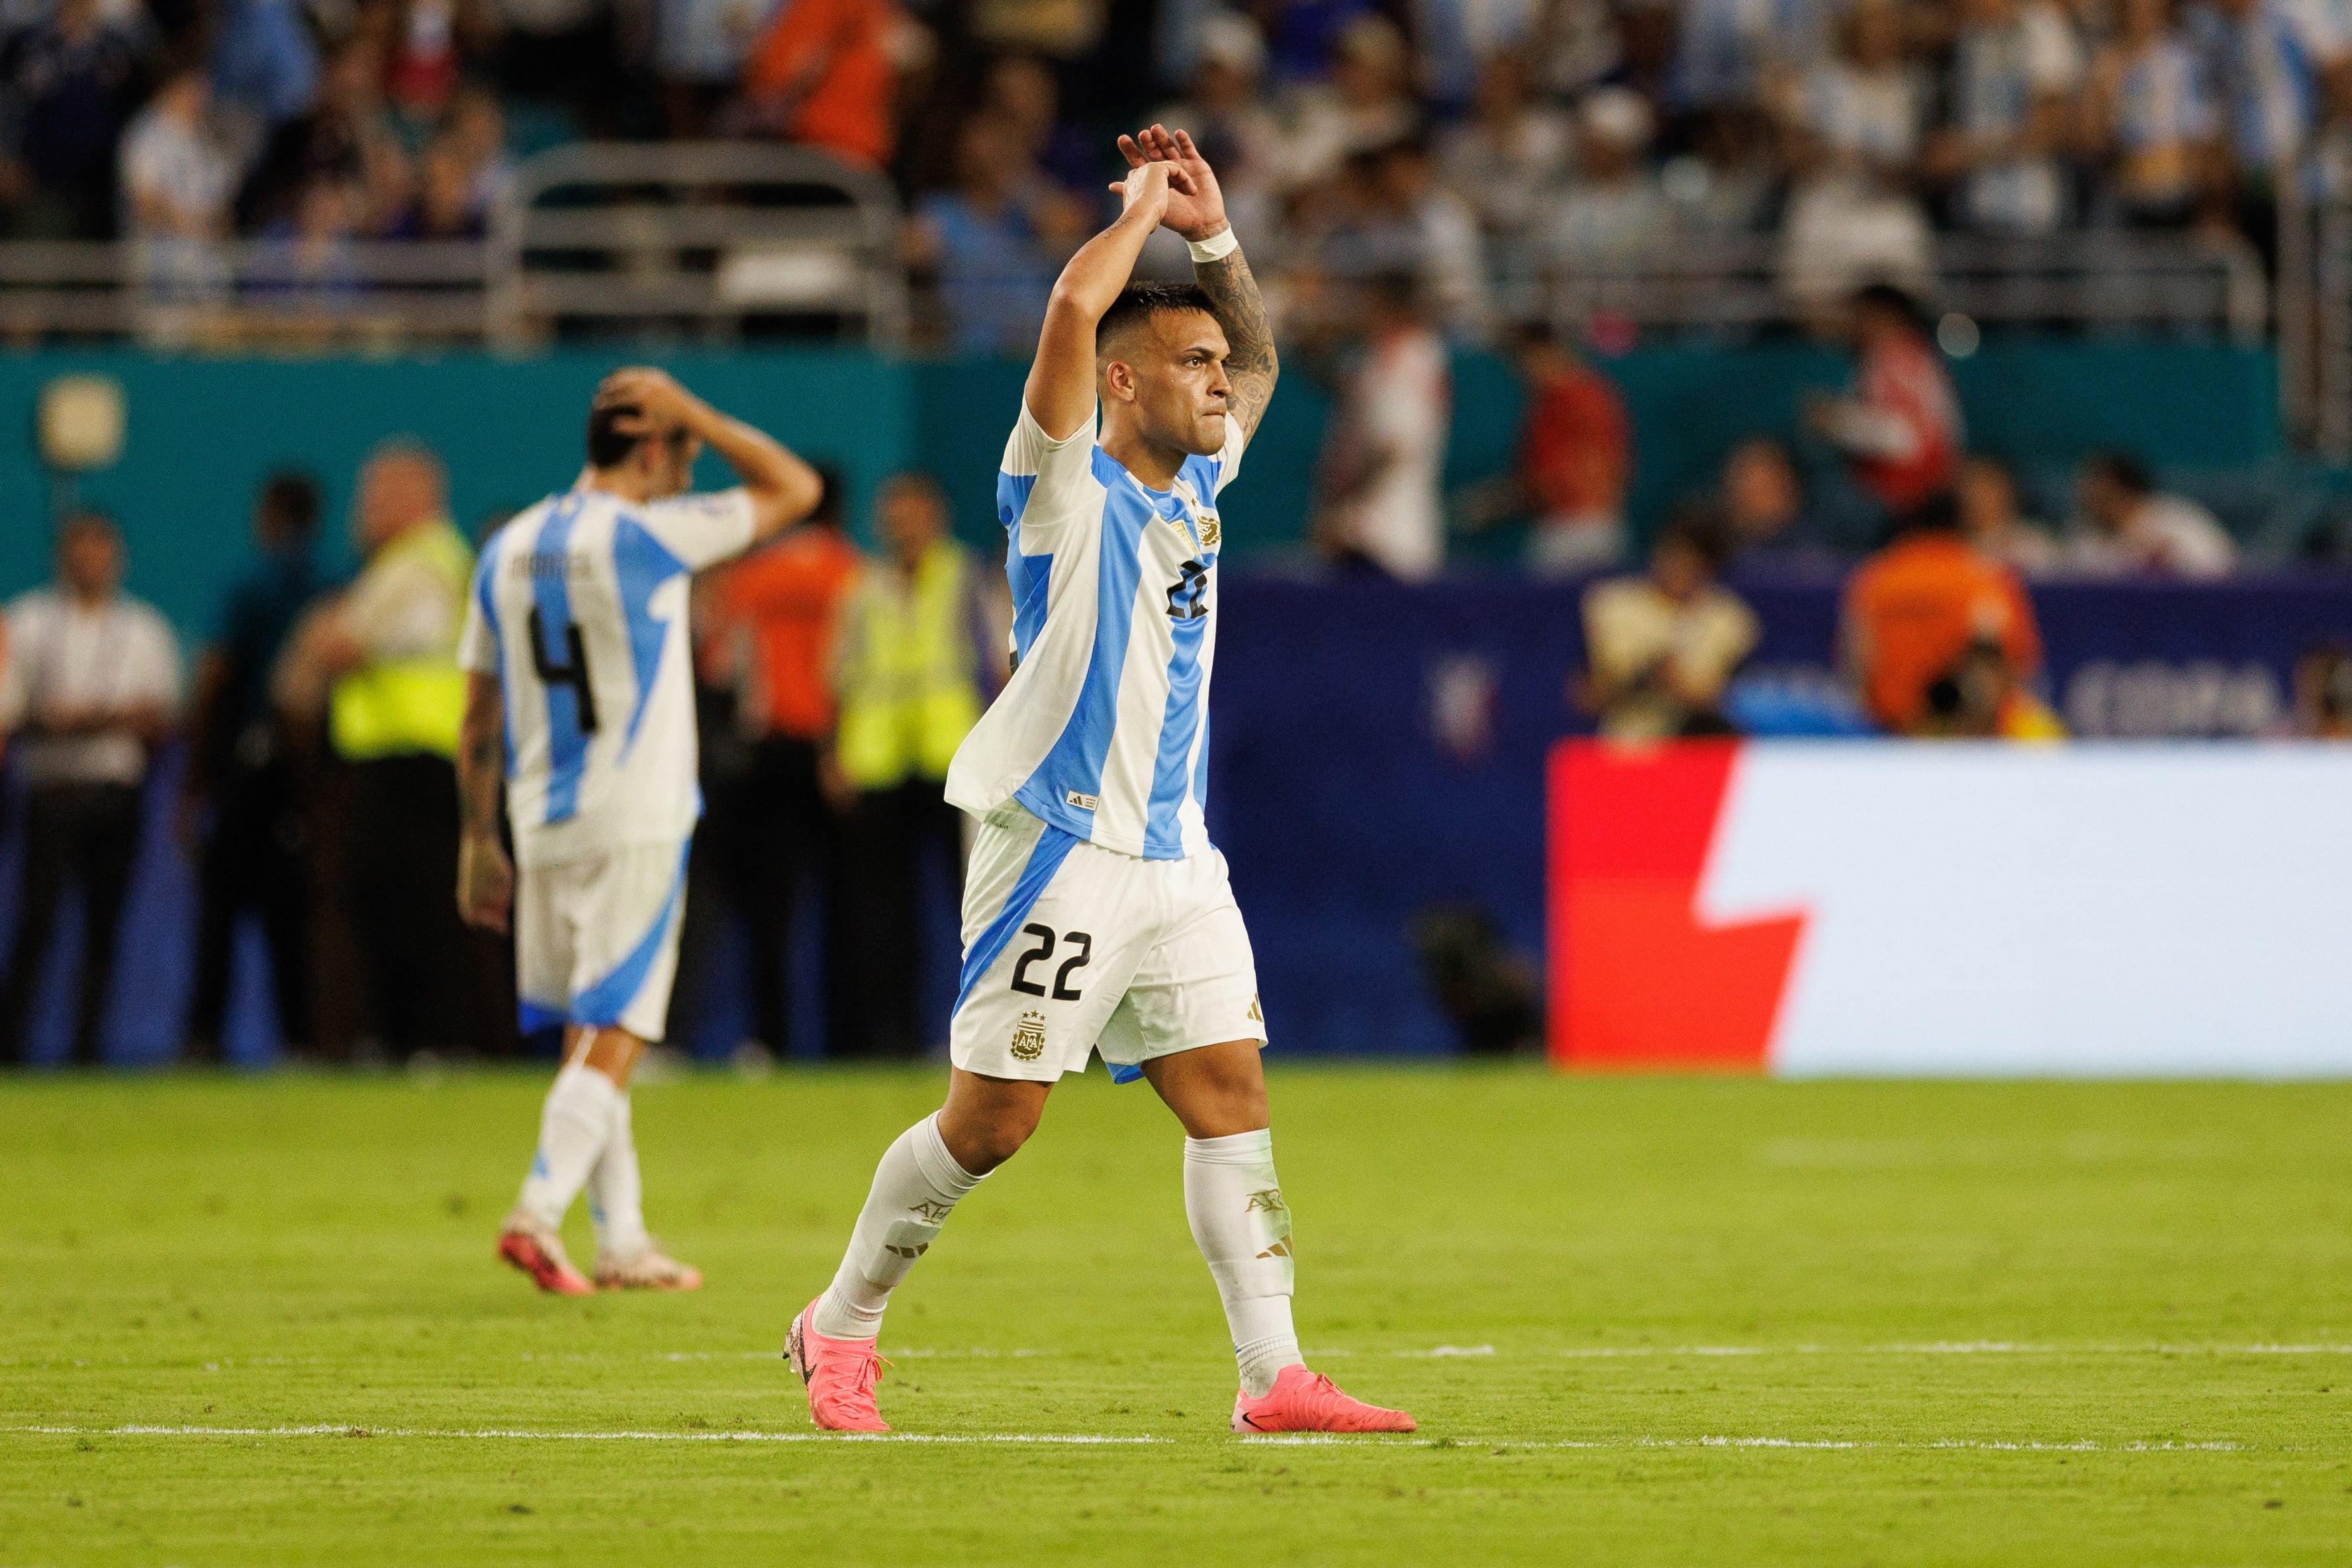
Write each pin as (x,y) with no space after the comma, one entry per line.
(982,1137)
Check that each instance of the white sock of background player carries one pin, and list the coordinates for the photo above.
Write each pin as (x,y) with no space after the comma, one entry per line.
(916,1186)
(1243,1228)
(616,1193)
(575,1124)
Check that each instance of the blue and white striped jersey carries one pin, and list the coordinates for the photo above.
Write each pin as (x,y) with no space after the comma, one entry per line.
(1103,730)
(580,607)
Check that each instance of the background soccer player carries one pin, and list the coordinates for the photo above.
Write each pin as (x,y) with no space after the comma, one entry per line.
(576,646)
(1095,911)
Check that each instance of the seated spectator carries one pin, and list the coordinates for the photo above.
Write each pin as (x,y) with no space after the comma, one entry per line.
(1853,217)
(67,85)
(1508,154)
(2151,119)
(1915,611)
(1222,113)
(1366,104)
(92,687)
(1765,509)
(1613,210)
(1734,52)
(1380,504)
(1408,220)
(2323,692)
(1900,426)
(1577,45)
(176,177)
(1992,522)
(823,74)
(1661,648)
(993,241)
(2284,68)
(2131,530)
(1730,181)
(1022,91)
(1575,459)
(2016,67)
(346,136)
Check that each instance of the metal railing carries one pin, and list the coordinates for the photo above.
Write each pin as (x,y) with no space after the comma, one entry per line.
(2315,317)
(2188,283)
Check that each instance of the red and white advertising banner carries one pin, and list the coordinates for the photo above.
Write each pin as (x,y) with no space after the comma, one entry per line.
(1841,907)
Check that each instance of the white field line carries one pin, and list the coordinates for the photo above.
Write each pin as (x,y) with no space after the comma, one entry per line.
(1075,1439)
(1087,1439)
(1966,1347)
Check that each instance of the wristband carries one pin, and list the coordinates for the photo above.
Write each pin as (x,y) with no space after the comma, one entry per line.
(1216,247)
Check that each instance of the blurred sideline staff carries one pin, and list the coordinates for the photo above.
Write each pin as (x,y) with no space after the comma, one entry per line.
(1661,648)
(381,658)
(1939,639)
(92,685)
(907,677)
(773,618)
(243,810)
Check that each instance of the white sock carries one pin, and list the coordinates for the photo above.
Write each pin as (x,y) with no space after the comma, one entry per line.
(573,1126)
(916,1186)
(1243,1228)
(616,1193)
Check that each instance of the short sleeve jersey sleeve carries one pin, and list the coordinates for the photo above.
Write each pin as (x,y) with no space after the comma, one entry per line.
(1229,457)
(1045,484)
(478,640)
(701,531)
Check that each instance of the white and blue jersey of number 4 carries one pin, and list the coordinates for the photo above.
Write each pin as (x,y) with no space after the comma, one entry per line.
(580,607)
(1103,730)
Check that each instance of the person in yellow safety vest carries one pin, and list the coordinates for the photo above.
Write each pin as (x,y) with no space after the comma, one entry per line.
(920,630)
(385,654)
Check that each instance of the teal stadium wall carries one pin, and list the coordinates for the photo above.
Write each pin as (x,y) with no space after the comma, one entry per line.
(204,433)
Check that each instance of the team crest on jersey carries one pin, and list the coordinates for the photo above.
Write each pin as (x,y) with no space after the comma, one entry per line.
(1211,529)
(1029,1037)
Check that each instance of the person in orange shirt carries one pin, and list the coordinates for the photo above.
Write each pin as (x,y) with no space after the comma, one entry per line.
(825,75)
(1922,614)
(771,621)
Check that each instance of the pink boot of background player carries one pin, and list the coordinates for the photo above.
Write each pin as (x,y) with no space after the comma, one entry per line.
(1304,1400)
(840,1374)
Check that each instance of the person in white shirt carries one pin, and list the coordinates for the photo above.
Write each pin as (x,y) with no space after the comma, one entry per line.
(580,698)
(2016,67)
(92,683)
(2130,529)
(1384,459)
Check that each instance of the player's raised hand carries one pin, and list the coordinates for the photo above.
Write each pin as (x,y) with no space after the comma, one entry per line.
(1145,190)
(661,403)
(1196,205)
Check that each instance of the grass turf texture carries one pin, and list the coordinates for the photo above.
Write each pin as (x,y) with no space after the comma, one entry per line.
(316,1252)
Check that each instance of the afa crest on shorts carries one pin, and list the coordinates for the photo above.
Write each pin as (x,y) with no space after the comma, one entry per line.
(1029,1037)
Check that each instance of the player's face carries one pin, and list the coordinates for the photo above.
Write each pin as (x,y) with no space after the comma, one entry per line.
(1181,389)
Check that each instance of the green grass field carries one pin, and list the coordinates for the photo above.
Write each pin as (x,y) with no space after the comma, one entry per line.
(1689,1321)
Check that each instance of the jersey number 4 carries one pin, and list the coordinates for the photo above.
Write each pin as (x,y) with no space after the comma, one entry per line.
(1044,954)
(573,671)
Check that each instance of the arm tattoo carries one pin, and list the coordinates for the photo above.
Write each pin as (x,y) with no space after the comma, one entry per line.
(480,764)
(1253,365)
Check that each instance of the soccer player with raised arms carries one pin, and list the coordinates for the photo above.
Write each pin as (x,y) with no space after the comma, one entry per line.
(1097,915)
(579,693)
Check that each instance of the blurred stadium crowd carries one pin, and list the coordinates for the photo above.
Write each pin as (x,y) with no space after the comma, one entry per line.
(1462,139)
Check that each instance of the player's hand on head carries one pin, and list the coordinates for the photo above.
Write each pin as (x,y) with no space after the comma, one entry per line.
(1196,205)
(660,403)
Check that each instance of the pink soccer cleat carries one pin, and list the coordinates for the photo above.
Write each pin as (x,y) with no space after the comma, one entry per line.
(840,1374)
(1304,1400)
(538,1252)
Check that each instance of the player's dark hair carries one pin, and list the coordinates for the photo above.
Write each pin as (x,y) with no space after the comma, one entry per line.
(1139,302)
(291,502)
(2123,470)
(1701,530)
(1895,301)
(1938,514)
(832,498)
(608,444)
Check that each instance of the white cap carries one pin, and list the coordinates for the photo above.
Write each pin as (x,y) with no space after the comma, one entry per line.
(1232,41)
(1618,115)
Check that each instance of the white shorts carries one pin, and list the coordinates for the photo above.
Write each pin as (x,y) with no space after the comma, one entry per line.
(596,938)
(1069,948)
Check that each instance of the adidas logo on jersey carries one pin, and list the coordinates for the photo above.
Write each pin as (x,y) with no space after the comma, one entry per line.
(1083,802)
